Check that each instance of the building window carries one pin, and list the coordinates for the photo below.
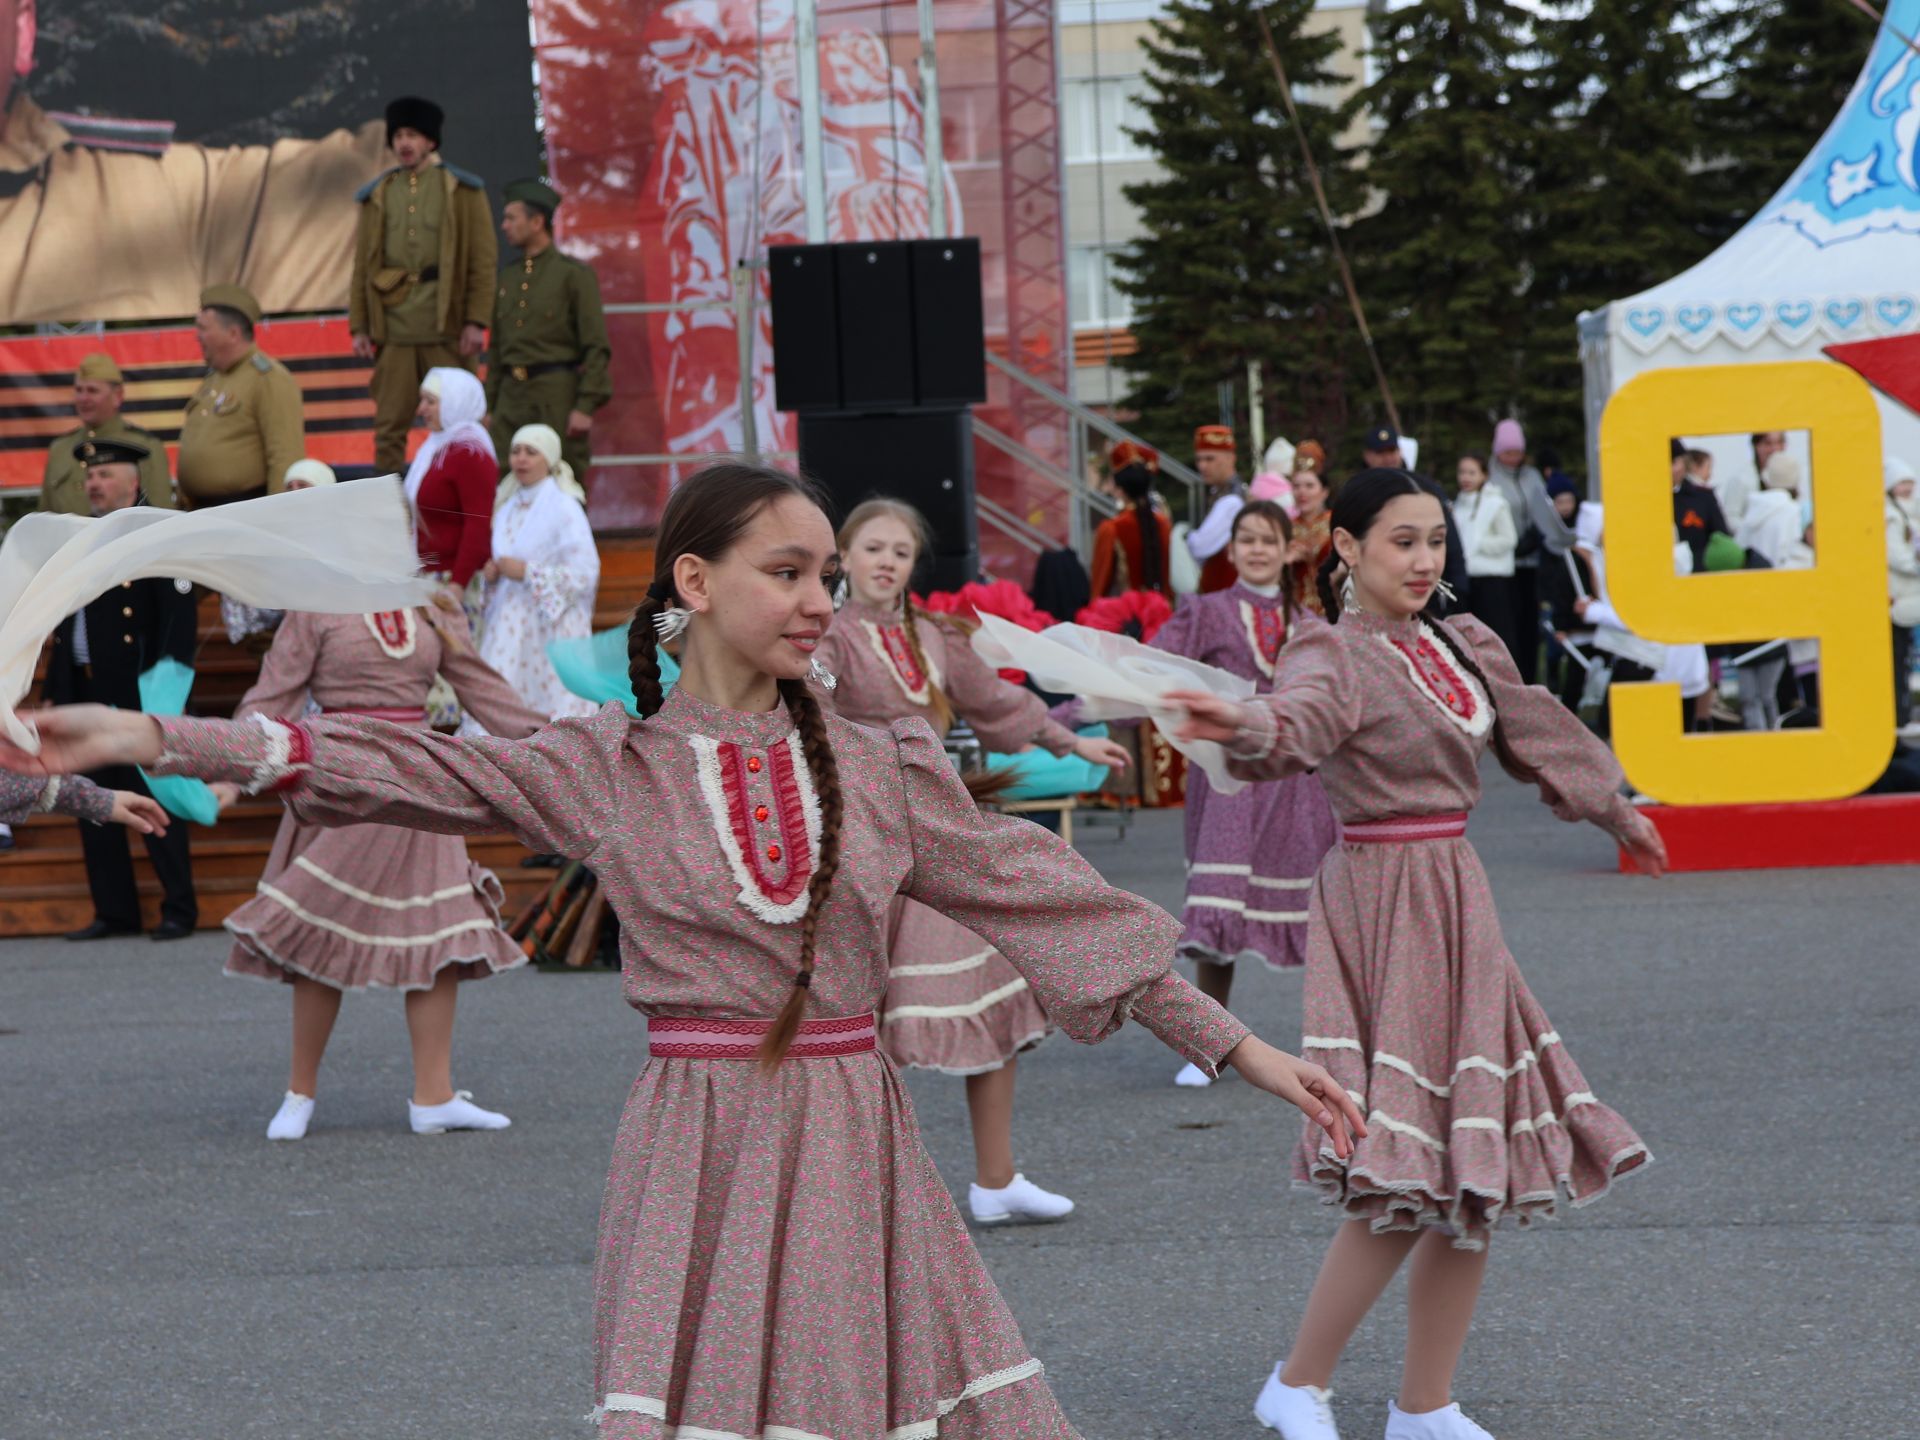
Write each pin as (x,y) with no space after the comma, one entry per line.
(1100,112)
(1093,298)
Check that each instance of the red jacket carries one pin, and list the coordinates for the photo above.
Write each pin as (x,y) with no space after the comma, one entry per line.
(455,510)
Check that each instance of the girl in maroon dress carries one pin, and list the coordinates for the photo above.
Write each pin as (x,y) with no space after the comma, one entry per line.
(1475,1109)
(451,482)
(778,1255)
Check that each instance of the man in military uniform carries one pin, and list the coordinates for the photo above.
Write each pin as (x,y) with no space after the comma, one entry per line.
(550,351)
(243,426)
(99,654)
(98,392)
(423,265)
(111,220)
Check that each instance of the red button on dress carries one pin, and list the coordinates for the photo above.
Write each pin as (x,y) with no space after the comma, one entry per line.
(753,764)
(773,852)
(760,813)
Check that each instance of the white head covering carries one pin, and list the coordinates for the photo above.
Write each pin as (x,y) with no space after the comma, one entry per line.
(544,523)
(1279,457)
(1893,470)
(1782,472)
(546,440)
(462,402)
(310,472)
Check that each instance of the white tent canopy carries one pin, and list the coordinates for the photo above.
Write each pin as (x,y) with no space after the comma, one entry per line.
(1833,256)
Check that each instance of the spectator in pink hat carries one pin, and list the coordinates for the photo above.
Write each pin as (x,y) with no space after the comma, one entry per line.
(1542,532)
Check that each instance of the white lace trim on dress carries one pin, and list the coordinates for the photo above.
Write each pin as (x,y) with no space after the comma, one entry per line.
(617,1402)
(714,791)
(385,902)
(954,1012)
(49,793)
(944,967)
(1476,724)
(276,765)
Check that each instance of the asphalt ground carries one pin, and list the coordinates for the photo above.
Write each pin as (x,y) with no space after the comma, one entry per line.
(165,1272)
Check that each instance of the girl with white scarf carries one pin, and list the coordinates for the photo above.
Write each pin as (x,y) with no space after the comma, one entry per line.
(451,481)
(542,577)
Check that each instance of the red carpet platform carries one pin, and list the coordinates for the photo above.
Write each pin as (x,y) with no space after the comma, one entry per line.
(1863,830)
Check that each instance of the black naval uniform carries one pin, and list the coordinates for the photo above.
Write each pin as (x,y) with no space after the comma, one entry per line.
(127,631)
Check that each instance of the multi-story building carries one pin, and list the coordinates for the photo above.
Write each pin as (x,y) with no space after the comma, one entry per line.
(1103,60)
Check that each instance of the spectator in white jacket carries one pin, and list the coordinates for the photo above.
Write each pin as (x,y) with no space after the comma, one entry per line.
(1629,658)
(1903,580)
(1772,526)
(1488,537)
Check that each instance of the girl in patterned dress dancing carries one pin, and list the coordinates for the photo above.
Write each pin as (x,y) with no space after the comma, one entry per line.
(1251,856)
(778,1255)
(1476,1111)
(953,1003)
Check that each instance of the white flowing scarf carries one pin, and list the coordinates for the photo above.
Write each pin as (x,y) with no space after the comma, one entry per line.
(463,401)
(544,525)
(337,549)
(1118,678)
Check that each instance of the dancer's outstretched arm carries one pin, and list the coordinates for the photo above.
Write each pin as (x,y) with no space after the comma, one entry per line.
(1096,956)
(552,790)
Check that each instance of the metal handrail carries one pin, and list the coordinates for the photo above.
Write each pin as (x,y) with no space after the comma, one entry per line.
(1013,527)
(1092,418)
(1007,445)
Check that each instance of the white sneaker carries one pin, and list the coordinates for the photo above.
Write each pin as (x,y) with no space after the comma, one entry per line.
(1021,1203)
(459,1113)
(1193,1077)
(1443,1424)
(291,1119)
(1298,1412)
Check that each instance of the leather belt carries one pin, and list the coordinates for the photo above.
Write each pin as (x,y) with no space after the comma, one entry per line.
(432,272)
(527,372)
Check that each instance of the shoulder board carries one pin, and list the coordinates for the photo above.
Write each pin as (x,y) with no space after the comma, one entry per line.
(104,132)
(365,192)
(465,177)
(261,362)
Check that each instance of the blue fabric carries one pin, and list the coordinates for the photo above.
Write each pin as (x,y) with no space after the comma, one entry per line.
(596,668)
(1047,777)
(163,691)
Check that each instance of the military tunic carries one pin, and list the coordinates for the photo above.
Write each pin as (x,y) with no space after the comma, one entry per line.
(243,429)
(63,487)
(550,352)
(98,233)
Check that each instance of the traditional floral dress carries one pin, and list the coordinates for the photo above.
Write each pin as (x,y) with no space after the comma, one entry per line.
(547,528)
(778,1255)
(953,1003)
(1251,856)
(373,905)
(1476,1109)
(23,796)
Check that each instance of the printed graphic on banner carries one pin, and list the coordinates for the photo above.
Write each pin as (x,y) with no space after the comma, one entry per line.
(149,149)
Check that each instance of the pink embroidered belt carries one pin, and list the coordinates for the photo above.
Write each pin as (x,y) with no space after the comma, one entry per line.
(684,1037)
(1405,829)
(401,715)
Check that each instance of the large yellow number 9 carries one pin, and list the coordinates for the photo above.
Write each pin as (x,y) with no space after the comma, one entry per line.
(1841,601)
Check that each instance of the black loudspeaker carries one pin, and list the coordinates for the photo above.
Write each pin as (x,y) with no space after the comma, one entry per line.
(925,459)
(806,351)
(875,280)
(949,325)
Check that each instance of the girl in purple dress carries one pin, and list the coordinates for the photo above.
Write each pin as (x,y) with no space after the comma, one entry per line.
(1251,856)
(1475,1109)
(778,1255)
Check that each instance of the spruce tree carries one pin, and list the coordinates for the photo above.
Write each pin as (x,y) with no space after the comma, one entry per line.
(1235,263)
(1441,259)
(1619,202)
(1785,69)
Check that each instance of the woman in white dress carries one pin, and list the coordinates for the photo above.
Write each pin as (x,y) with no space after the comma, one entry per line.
(545,570)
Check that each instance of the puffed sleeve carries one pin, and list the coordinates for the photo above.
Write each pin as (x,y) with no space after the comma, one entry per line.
(1096,956)
(286,671)
(77,796)
(1006,717)
(1314,707)
(1577,774)
(555,791)
(1181,633)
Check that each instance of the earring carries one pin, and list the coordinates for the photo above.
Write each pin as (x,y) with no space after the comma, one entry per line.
(1446,591)
(671,623)
(1346,593)
(840,593)
(822,676)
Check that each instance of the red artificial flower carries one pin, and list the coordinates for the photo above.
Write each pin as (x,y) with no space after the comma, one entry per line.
(1147,609)
(1002,598)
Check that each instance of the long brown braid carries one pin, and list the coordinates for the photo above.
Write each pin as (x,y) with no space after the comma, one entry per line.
(1358,505)
(705,516)
(916,523)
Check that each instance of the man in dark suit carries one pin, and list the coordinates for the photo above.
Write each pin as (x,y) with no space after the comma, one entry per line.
(99,654)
